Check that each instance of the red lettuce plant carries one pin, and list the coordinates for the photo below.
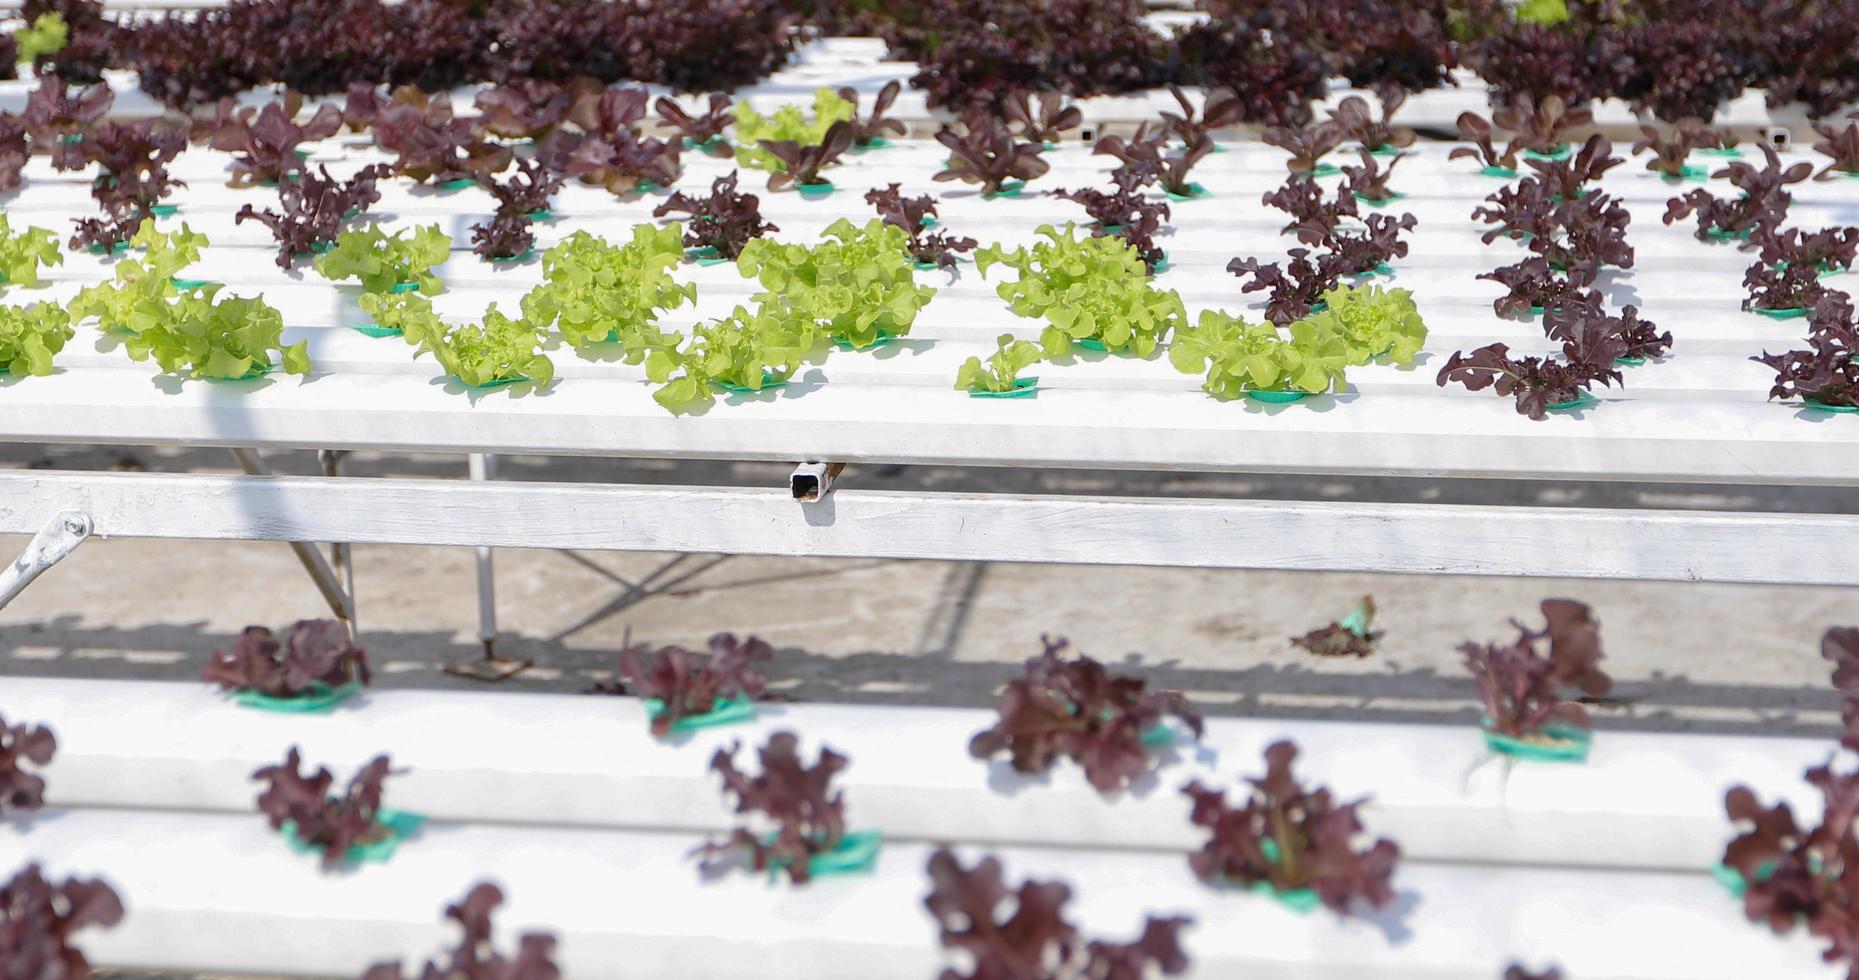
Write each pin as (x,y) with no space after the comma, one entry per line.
(807,813)
(1290,838)
(1569,178)
(1273,72)
(986,152)
(526,193)
(1567,230)
(1801,875)
(15,150)
(1146,155)
(1534,286)
(132,161)
(1078,709)
(1761,208)
(1359,123)
(21,744)
(1825,372)
(1826,250)
(867,130)
(505,236)
(1782,287)
(524,108)
(1538,383)
(432,144)
(316,653)
(1370,181)
(1521,683)
(1022,934)
(475,958)
(801,165)
(313,209)
(685,684)
(266,143)
(1315,216)
(1671,149)
(1541,125)
(1842,145)
(1571,323)
(1349,638)
(56,118)
(1308,145)
(360,105)
(1045,118)
(320,818)
(1221,108)
(1294,287)
(724,221)
(1476,130)
(38,920)
(704,131)
(1123,206)
(1675,69)
(621,161)
(914,215)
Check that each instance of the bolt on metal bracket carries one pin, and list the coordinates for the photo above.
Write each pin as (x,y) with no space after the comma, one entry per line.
(58,538)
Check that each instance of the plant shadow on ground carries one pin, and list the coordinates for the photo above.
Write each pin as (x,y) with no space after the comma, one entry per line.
(66,648)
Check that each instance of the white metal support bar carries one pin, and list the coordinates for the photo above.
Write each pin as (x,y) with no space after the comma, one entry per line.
(332,460)
(58,538)
(491,667)
(811,482)
(1705,546)
(320,573)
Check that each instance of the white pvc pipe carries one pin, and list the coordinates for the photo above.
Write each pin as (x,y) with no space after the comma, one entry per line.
(223,893)
(1642,800)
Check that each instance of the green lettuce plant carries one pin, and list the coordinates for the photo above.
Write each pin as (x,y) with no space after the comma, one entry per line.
(1239,356)
(381,261)
(202,336)
(21,255)
(790,122)
(1001,371)
(1373,321)
(30,335)
(592,289)
(47,35)
(497,351)
(141,286)
(1091,289)
(744,350)
(856,286)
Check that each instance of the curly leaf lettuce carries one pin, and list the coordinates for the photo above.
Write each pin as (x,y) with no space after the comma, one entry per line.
(21,255)
(201,336)
(1373,321)
(138,295)
(380,261)
(592,289)
(498,350)
(30,335)
(743,350)
(1094,289)
(1239,356)
(1001,371)
(856,286)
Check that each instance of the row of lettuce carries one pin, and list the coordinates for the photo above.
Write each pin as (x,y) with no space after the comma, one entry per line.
(856,288)
(1282,838)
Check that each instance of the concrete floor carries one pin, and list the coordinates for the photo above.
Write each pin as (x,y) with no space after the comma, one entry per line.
(1687,655)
